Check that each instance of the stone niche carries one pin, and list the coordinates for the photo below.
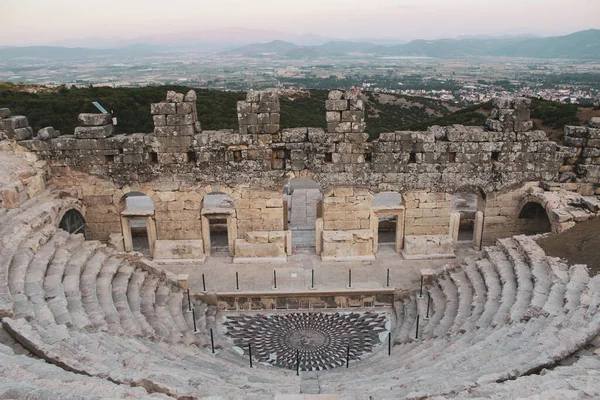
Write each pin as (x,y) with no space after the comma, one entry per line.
(261,247)
(175,251)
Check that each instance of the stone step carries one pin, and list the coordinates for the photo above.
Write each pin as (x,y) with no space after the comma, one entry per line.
(104,294)
(479,293)
(89,298)
(524,278)
(494,292)
(465,298)
(72,279)
(53,282)
(34,280)
(119,294)
(162,310)
(509,284)
(148,295)
(451,293)
(135,301)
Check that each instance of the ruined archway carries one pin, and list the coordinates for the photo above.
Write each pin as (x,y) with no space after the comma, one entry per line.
(533,219)
(218,224)
(387,220)
(467,210)
(73,222)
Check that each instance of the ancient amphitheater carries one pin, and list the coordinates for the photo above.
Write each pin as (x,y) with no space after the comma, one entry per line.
(295,263)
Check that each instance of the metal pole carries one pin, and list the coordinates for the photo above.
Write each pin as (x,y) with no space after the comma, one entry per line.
(349,278)
(275,278)
(421,290)
(250,353)
(428,304)
(313,278)
(237,281)
(203,283)
(348,356)
(388,278)
(189,300)
(417,330)
(297,362)
(194,317)
(389,343)
(212,341)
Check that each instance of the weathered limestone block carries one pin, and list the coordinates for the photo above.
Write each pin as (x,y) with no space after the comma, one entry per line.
(336,105)
(295,135)
(4,112)
(47,133)
(163,109)
(10,198)
(594,122)
(12,123)
(180,119)
(428,246)
(257,237)
(245,250)
(23,133)
(346,245)
(179,250)
(174,97)
(94,132)
(335,95)
(88,119)
(191,96)
(182,130)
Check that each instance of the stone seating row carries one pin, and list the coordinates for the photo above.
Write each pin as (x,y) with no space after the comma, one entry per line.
(510,313)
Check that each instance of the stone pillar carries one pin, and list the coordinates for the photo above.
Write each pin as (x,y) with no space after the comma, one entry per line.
(259,113)
(454,225)
(345,113)
(183,280)
(151,232)
(231,234)
(400,232)
(206,235)
(374,224)
(510,114)
(478,231)
(288,242)
(177,116)
(126,229)
(319,236)
(285,215)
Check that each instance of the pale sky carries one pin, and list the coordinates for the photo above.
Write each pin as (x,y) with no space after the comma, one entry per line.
(43,21)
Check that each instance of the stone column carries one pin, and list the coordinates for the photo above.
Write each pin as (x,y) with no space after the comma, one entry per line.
(151,232)
(231,234)
(400,232)
(206,235)
(375,229)
(478,231)
(319,236)
(454,225)
(126,229)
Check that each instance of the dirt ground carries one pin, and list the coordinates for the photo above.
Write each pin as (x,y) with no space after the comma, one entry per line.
(578,245)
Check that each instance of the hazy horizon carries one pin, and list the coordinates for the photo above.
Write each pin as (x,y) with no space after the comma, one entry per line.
(36,22)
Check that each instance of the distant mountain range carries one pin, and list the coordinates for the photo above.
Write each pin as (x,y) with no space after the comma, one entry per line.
(579,45)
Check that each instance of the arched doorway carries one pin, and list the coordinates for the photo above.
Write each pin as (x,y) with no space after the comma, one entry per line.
(302,205)
(533,219)
(218,224)
(73,222)
(137,222)
(467,208)
(387,220)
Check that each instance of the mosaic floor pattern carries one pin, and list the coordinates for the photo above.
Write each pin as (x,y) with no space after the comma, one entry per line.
(315,341)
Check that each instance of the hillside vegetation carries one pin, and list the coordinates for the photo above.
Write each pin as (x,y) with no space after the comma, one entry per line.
(217,109)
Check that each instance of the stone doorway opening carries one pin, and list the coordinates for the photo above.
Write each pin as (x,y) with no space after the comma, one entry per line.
(387,220)
(534,220)
(467,208)
(137,223)
(218,224)
(303,205)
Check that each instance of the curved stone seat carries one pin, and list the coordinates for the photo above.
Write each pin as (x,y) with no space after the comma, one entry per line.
(134,300)
(119,294)
(104,294)
(479,293)
(89,299)
(494,292)
(509,284)
(148,297)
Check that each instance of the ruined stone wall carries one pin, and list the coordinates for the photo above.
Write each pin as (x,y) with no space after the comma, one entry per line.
(178,164)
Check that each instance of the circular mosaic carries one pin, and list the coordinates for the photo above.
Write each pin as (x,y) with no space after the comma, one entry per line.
(316,341)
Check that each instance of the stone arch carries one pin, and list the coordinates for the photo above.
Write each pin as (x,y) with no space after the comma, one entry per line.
(534,216)
(467,213)
(387,219)
(72,221)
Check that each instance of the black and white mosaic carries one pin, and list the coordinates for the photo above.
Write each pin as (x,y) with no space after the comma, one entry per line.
(318,341)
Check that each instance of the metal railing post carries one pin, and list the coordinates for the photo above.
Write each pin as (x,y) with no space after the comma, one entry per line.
(212,341)
(250,353)
(194,318)
(203,283)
